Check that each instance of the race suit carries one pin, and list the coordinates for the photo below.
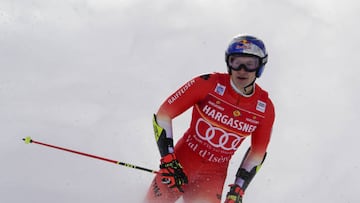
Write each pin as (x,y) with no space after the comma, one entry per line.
(221,120)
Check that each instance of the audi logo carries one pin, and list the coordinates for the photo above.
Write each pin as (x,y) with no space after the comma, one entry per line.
(217,137)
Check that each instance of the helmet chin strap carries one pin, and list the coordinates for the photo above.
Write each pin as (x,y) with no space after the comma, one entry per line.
(249,85)
(245,93)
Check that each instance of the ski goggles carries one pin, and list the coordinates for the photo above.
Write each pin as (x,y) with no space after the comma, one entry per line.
(248,63)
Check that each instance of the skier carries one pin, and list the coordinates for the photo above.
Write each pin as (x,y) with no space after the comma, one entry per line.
(227,108)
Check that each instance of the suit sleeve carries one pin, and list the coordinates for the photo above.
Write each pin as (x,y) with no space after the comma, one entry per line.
(260,139)
(259,142)
(182,99)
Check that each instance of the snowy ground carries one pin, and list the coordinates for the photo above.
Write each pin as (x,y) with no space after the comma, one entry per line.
(87,75)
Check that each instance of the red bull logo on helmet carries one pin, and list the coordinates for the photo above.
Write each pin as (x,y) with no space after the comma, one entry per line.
(243,44)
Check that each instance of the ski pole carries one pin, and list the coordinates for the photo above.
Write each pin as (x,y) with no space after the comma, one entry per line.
(28,140)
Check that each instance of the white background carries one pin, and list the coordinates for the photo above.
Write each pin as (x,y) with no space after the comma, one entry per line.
(88,74)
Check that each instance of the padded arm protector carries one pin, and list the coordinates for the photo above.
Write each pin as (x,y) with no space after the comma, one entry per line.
(245,175)
(163,142)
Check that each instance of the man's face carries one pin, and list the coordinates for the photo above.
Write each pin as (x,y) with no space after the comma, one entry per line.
(243,70)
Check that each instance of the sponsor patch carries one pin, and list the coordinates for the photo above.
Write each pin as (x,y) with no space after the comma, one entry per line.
(220,89)
(237,113)
(261,106)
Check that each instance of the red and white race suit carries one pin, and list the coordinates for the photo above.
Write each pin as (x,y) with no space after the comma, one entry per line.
(221,120)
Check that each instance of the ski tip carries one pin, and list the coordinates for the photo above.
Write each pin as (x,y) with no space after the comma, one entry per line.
(27,140)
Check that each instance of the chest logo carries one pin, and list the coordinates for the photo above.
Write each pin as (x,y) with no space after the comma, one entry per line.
(217,137)
(237,113)
(220,89)
(261,106)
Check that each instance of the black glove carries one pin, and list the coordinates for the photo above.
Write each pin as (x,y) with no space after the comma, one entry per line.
(172,172)
(234,195)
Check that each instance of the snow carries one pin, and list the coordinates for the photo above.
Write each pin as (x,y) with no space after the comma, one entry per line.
(88,75)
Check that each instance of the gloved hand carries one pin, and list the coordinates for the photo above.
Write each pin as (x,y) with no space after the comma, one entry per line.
(172,172)
(234,195)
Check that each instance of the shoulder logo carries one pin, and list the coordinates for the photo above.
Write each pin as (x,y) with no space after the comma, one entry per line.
(220,89)
(261,106)
(205,76)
